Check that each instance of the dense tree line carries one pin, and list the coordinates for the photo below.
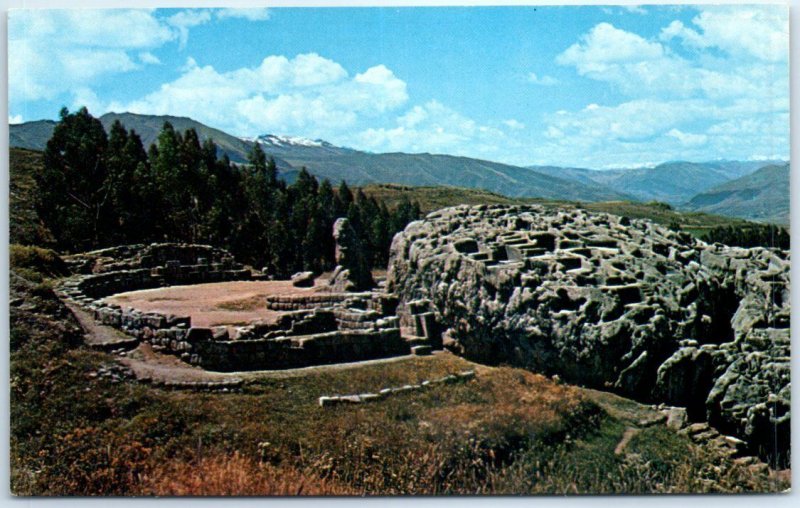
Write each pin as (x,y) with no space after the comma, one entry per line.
(762,235)
(99,189)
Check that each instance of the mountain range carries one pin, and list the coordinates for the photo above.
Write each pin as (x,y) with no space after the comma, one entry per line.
(671,182)
(734,188)
(356,167)
(761,196)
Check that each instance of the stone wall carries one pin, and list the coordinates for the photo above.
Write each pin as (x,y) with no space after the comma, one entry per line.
(608,302)
(131,257)
(323,328)
(379,302)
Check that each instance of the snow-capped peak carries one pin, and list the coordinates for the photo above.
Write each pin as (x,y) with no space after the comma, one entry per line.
(276,140)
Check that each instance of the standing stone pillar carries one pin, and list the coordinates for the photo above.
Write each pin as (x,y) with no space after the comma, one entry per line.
(352,272)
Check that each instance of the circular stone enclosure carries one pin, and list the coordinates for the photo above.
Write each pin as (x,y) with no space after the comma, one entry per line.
(230,304)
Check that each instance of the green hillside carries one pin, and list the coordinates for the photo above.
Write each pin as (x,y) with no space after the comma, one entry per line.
(762,196)
(434,198)
(671,182)
(24,224)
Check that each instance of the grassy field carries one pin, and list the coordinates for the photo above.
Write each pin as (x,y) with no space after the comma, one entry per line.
(434,198)
(77,430)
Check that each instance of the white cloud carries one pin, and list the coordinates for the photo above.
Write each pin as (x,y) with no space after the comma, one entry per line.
(15,119)
(633,132)
(687,138)
(638,119)
(89,64)
(606,46)
(435,128)
(306,95)
(680,100)
(554,133)
(543,81)
(632,63)
(105,28)
(636,9)
(311,69)
(758,31)
(514,124)
(85,97)
(148,58)
(55,52)
(248,14)
(184,20)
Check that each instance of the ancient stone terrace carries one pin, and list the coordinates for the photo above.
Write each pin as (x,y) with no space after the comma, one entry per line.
(314,328)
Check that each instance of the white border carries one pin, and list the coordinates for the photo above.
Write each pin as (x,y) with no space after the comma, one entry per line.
(726,501)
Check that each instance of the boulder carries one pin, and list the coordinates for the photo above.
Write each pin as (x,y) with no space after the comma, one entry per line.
(303,279)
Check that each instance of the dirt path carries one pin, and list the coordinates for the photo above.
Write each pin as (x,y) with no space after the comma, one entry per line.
(626,438)
(636,416)
(100,336)
(629,411)
(160,368)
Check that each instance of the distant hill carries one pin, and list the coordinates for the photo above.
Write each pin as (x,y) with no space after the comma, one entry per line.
(434,198)
(30,135)
(670,182)
(424,169)
(762,196)
(34,135)
(582,175)
(358,168)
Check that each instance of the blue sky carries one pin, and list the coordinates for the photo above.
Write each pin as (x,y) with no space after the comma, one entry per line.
(582,86)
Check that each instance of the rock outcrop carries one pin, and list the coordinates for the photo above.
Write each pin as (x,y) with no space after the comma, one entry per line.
(610,302)
(352,270)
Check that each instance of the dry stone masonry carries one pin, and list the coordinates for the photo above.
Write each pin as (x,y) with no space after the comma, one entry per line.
(320,328)
(333,400)
(608,302)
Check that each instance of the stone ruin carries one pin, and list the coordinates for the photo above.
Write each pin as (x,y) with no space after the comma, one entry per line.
(352,271)
(598,300)
(608,302)
(315,328)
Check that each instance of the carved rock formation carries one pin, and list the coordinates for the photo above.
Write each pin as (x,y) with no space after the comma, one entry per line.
(610,302)
(352,271)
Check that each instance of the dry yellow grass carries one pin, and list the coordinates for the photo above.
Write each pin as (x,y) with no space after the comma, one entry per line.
(513,395)
(235,475)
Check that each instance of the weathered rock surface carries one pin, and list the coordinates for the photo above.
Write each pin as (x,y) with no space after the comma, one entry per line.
(352,270)
(303,279)
(610,302)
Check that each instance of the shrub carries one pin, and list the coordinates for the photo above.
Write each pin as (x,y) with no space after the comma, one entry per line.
(36,263)
(660,205)
(761,235)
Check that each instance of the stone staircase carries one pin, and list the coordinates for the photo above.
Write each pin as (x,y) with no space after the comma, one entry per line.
(420,329)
